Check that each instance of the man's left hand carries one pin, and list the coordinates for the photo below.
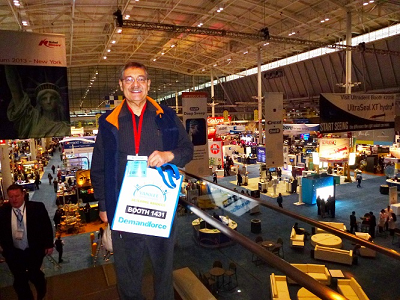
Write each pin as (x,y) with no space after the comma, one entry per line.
(48,251)
(158,158)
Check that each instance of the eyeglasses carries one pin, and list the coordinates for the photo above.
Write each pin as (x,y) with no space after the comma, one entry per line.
(139,79)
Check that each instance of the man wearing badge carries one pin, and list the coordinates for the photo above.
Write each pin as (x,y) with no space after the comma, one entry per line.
(138,126)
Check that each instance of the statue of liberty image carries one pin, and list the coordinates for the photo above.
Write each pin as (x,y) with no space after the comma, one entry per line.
(46,119)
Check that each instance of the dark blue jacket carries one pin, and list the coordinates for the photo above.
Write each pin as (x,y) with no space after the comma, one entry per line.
(163,133)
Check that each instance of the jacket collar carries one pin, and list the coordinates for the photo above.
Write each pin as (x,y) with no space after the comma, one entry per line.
(112,118)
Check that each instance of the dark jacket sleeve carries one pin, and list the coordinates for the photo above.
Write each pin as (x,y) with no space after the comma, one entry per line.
(97,171)
(40,229)
(183,153)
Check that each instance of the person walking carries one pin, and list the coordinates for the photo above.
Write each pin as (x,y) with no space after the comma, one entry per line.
(26,236)
(59,245)
(50,177)
(162,138)
(359,179)
(55,185)
(37,181)
(53,168)
(215,177)
(279,199)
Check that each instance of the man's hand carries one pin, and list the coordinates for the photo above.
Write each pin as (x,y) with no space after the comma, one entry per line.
(48,251)
(103,216)
(158,158)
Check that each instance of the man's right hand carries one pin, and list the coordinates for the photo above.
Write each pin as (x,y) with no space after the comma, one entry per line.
(103,216)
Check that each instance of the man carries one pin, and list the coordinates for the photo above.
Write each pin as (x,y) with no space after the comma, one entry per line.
(26,236)
(160,136)
(353,222)
(372,224)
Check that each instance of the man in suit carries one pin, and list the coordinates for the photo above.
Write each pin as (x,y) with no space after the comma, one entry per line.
(26,236)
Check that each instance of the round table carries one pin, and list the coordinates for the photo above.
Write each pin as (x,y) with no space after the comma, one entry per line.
(303,293)
(268,244)
(217,273)
(326,240)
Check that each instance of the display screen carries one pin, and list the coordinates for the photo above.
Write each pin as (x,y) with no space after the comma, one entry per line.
(305,136)
(325,192)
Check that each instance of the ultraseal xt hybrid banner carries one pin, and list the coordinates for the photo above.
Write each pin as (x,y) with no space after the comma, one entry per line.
(352,112)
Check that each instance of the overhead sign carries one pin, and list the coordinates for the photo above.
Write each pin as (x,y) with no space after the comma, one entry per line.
(273,129)
(230,129)
(217,120)
(352,112)
(299,128)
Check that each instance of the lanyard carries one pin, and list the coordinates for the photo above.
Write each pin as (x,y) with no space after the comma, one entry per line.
(18,216)
(137,132)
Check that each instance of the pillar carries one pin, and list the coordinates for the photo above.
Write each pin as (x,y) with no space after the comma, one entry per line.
(5,166)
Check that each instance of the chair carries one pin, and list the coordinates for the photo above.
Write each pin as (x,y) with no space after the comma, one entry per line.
(230,273)
(254,258)
(209,283)
(277,249)
(217,264)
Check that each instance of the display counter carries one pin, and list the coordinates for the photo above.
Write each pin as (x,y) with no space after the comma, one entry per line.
(207,236)
(391,182)
(29,186)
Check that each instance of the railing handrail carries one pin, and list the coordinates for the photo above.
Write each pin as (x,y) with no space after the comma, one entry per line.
(300,277)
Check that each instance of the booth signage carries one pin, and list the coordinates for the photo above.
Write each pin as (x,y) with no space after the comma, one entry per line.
(194,110)
(334,150)
(351,112)
(216,120)
(273,129)
(299,128)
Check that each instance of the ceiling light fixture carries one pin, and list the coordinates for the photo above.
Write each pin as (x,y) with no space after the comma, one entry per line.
(200,24)
(104,57)
(25,23)
(119,30)
(127,17)
(173,45)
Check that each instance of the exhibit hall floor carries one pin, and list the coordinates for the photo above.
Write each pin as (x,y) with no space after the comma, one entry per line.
(80,278)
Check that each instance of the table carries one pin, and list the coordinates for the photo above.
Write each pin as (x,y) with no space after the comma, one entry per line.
(217,273)
(269,245)
(210,237)
(336,273)
(303,293)
(326,240)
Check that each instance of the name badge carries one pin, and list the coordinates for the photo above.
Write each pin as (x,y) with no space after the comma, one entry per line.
(19,234)
(136,166)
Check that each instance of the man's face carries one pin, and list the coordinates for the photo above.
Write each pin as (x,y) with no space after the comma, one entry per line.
(135,85)
(16,197)
(48,100)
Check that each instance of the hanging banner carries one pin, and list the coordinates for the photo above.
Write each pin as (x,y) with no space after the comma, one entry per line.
(273,130)
(215,153)
(352,112)
(33,85)
(194,110)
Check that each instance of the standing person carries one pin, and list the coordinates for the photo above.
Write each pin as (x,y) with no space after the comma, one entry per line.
(372,224)
(353,222)
(37,181)
(50,177)
(382,220)
(322,206)
(239,179)
(279,199)
(319,205)
(392,223)
(279,173)
(53,168)
(26,236)
(86,210)
(215,177)
(59,244)
(163,139)
(388,211)
(359,178)
(55,185)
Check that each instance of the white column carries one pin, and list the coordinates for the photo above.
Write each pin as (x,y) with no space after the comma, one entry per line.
(259,96)
(5,166)
(212,95)
(348,53)
(32,147)
(176,102)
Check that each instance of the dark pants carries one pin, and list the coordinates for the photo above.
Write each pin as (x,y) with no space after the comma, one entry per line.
(60,253)
(129,257)
(25,266)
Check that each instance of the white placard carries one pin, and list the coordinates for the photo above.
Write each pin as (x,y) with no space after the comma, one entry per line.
(273,129)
